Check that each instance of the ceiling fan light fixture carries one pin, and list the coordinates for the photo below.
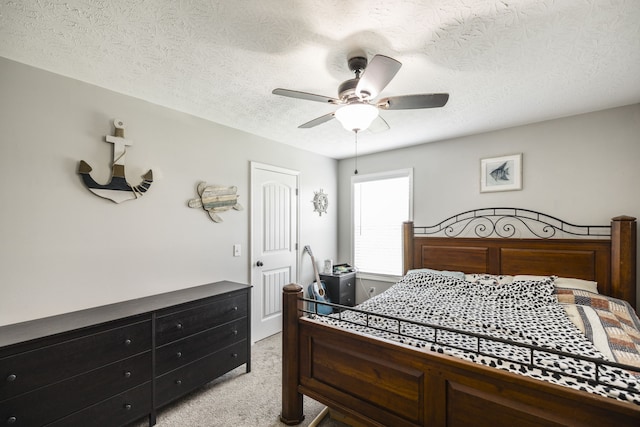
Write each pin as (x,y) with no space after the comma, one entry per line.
(356,117)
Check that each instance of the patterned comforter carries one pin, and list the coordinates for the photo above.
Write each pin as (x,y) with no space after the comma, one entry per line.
(609,323)
(527,312)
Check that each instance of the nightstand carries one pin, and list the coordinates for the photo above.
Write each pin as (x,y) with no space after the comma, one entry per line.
(341,288)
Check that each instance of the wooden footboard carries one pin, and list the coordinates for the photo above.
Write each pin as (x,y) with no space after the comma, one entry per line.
(379,383)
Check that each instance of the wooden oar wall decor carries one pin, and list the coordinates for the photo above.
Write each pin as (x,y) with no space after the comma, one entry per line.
(117,189)
(214,199)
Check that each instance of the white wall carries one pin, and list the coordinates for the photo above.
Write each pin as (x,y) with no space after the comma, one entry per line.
(583,169)
(63,248)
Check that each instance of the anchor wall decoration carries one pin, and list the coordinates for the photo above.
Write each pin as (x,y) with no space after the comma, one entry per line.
(117,189)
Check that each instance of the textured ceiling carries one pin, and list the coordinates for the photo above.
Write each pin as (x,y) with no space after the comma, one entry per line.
(504,63)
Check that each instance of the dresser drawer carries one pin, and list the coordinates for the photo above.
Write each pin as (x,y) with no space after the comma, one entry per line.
(117,411)
(57,400)
(180,324)
(348,292)
(176,383)
(27,371)
(177,353)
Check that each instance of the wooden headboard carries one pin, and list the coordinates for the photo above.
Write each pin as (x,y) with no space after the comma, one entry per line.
(605,254)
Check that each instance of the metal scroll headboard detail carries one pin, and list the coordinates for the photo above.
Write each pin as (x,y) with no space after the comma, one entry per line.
(507,222)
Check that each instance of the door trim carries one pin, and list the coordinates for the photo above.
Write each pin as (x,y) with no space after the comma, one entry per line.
(271,168)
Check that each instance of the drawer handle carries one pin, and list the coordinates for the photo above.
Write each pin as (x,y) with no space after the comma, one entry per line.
(235,332)
(127,374)
(348,285)
(235,308)
(11,420)
(178,325)
(11,377)
(127,406)
(234,355)
(178,382)
(127,341)
(179,354)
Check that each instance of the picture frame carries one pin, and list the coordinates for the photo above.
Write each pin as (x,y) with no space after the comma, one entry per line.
(502,173)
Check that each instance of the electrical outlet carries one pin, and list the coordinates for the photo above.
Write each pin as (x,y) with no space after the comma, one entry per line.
(372,291)
(237,250)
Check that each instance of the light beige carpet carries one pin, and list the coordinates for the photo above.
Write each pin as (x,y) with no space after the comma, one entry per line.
(240,399)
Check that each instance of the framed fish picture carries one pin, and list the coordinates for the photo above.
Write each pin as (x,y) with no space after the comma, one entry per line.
(501,173)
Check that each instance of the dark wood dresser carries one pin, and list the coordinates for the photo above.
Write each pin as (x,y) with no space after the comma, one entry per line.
(114,364)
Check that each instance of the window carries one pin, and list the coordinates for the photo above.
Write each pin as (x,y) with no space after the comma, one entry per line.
(381,203)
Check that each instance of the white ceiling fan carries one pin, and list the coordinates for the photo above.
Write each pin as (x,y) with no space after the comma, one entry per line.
(356,97)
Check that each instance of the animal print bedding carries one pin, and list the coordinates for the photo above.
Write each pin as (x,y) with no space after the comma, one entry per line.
(525,312)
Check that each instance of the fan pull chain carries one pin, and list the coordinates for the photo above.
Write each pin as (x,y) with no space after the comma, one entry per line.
(355,172)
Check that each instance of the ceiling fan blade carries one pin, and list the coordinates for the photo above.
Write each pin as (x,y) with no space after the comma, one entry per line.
(378,125)
(376,76)
(305,95)
(317,121)
(410,102)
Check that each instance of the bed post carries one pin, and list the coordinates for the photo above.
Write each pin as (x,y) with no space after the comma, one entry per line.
(623,258)
(291,310)
(407,242)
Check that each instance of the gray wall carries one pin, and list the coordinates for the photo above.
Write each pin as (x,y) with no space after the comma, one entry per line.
(65,249)
(583,169)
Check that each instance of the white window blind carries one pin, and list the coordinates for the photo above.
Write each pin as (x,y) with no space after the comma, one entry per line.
(381,203)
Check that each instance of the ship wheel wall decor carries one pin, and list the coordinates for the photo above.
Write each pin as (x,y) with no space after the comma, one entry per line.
(320,202)
(117,190)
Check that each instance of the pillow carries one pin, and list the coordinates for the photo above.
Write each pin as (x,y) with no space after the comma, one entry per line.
(565,282)
(570,283)
(489,279)
(456,274)
(524,277)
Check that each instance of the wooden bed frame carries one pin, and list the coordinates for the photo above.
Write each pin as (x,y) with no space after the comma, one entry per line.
(375,382)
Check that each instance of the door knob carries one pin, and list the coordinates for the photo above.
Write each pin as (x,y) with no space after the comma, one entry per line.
(259,264)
